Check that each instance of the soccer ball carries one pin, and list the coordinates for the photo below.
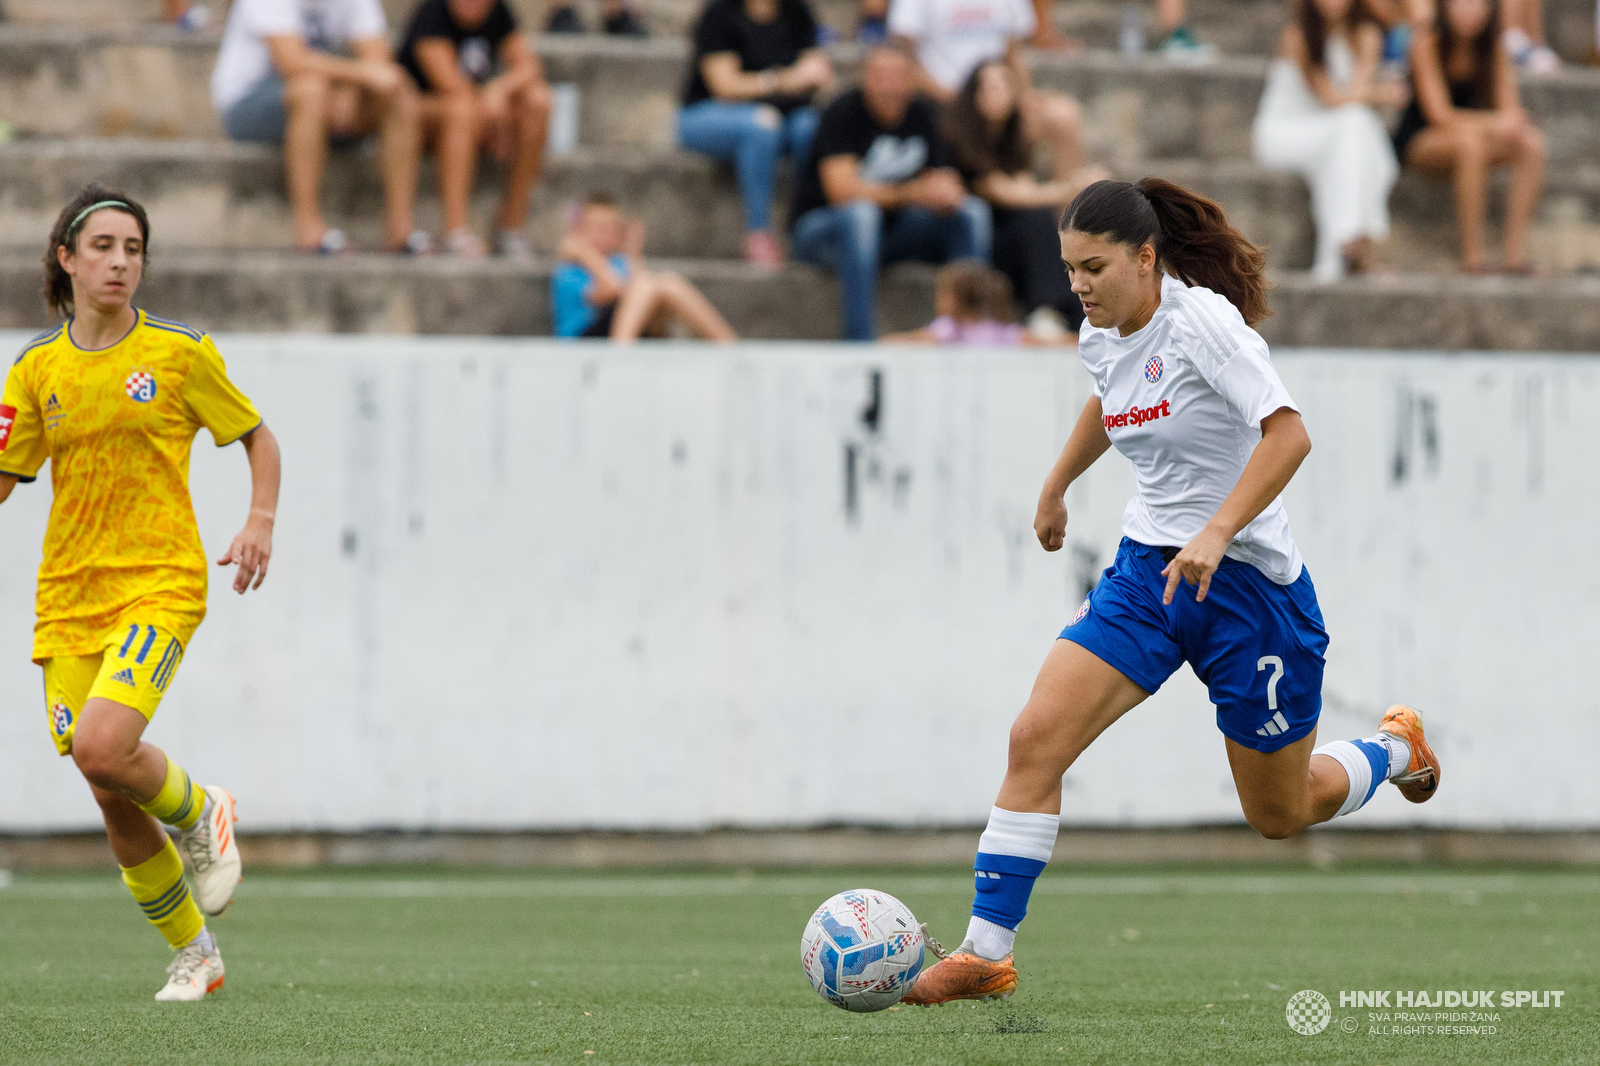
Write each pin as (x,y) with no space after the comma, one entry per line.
(862,950)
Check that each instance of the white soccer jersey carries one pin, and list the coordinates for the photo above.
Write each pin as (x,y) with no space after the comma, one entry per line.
(1183,399)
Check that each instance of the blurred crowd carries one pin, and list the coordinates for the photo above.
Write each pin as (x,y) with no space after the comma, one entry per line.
(943,152)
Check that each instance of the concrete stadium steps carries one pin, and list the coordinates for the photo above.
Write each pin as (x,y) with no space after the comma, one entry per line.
(154,82)
(207,195)
(378,294)
(1238,27)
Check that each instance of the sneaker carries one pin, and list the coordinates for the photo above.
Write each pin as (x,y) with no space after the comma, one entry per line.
(213,853)
(417,243)
(1532,59)
(1181,46)
(195,971)
(1420,779)
(464,244)
(564,19)
(626,24)
(514,245)
(761,249)
(962,974)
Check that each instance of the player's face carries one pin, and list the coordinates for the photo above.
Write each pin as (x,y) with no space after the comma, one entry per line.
(996,98)
(602,226)
(1112,280)
(109,260)
(1467,18)
(470,14)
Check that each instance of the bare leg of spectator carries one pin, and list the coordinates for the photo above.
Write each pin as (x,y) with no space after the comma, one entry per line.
(530,119)
(1526,154)
(451,123)
(1462,152)
(1170,14)
(305,151)
(651,294)
(1045,34)
(398,119)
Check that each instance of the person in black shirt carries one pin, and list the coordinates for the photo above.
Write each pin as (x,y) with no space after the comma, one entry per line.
(878,187)
(482,87)
(756,67)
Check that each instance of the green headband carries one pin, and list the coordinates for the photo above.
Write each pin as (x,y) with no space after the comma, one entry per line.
(92,208)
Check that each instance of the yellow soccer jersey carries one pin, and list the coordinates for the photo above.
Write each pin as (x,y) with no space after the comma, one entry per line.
(116,425)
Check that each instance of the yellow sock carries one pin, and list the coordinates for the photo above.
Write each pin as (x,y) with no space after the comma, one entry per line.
(180,801)
(158,887)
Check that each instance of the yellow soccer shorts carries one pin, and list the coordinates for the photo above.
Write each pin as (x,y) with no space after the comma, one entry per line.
(134,670)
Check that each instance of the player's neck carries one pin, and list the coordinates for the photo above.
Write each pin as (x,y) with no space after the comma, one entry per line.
(1141,318)
(95,328)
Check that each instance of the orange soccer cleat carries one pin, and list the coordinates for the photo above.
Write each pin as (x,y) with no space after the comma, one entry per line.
(1421,778)
(962,974)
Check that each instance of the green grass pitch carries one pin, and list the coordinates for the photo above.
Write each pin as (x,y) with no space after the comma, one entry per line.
(1178,965)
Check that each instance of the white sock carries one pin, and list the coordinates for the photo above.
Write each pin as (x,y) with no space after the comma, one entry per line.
(1356,767)
(990,941)
(1399,753)
(204,939)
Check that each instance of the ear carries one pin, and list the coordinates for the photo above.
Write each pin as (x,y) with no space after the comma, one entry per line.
(1147,258)
(67,260)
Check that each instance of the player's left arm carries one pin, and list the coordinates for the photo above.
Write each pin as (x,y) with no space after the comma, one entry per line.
(252,548)
(1284,446)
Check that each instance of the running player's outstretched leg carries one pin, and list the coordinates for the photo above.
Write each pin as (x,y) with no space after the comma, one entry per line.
(1076,696)
(1285,791)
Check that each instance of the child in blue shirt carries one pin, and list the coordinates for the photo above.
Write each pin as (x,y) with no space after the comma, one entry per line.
(601,289)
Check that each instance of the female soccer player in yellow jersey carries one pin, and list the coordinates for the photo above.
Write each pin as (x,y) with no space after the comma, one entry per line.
(113,398)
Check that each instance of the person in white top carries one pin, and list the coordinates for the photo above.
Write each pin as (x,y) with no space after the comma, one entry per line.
(1317,119)
(952,38)
(1208,572)
(301,72)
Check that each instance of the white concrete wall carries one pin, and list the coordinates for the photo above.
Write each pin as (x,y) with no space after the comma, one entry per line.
(527,585)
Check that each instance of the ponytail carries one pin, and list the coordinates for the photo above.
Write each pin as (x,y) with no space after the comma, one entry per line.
(1190,234)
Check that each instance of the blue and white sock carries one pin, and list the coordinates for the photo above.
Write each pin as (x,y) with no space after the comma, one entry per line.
(1012,853)
(1368,763)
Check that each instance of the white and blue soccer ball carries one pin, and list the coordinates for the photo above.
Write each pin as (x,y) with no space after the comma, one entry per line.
(862,950)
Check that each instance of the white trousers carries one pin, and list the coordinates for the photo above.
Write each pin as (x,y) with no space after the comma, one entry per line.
(1345,156)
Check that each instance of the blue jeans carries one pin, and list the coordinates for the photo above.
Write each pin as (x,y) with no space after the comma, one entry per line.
(857,238)
(754,136)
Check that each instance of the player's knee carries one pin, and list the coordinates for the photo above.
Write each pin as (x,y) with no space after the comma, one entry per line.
(102,761)
(1273,823)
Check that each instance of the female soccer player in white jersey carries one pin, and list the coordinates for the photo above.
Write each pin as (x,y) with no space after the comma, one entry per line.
(1207,572)
(113,397)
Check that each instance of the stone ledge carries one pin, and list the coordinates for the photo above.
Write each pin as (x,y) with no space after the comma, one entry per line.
(386,294)
(842,846)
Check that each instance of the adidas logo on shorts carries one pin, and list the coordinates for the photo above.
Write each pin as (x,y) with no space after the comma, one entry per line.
(124,675)
(1275,725)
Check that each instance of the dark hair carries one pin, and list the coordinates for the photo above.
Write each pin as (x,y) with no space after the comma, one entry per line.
(977,151)
(1190,234)
(980,291)
(599,198)
(1314,28)
(64,234)
(1485,52)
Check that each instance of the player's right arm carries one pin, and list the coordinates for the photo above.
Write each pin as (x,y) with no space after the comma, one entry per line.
(1087,443)
(22,443)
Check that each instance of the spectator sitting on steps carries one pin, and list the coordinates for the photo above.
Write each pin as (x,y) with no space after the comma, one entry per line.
(601,288)
(878,187)
(299,72)
(482,88)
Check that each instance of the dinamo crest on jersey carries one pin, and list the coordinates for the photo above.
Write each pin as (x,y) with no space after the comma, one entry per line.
(141,386)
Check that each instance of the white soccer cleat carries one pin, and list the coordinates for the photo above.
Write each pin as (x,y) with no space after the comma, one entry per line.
(195,973)
(214,853)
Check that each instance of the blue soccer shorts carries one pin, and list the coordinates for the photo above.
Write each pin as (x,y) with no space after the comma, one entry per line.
(1257,645)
